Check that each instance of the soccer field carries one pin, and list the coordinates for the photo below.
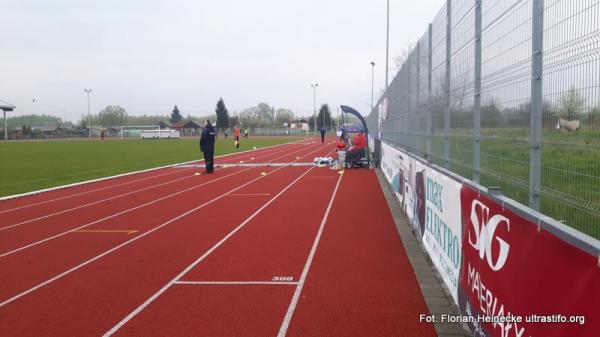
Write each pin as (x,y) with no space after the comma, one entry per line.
(33,165)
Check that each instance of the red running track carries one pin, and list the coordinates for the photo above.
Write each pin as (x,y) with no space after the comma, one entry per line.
(237,253)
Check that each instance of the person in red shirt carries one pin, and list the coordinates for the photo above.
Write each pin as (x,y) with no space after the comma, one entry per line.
(236,136)
(357,150)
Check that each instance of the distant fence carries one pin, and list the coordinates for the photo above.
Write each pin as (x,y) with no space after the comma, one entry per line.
(135,133)
(279,132)
(507,93)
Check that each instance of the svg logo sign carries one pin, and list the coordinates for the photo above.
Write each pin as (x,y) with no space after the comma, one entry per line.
(483,233)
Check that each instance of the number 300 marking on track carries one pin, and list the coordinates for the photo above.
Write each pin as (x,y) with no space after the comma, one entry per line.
(283,278)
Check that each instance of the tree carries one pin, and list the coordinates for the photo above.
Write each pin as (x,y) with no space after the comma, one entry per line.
(175,116)
(234,120)
(403,56)
(16,122)
(111,115)
(145,120)
(490,113)
(571,104)
(324,117)
(266,115)
(222,115)
(283,117)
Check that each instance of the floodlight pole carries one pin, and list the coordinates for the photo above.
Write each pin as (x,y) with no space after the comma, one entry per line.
(372,82)
(88,91)
(314,86)
(387,44)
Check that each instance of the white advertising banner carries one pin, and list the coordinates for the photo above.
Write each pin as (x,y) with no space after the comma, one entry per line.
(432,203)
(442,231)
(371,143)
(402,172)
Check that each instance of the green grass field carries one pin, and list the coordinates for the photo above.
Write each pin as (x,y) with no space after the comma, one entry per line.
(33,165)
(570,170)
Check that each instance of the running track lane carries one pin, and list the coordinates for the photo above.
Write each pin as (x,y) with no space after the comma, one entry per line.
(115,280)
(361,282)
(34,265)
(92,195)
(272,246)
(15,237)
(65,193)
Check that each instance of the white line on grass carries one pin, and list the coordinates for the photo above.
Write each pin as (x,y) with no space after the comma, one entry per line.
(292,307)
(200,259)
(15,196)
(118,184)
(97,257)
(134,208)
(97,202)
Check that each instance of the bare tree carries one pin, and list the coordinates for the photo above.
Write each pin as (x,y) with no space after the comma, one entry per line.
(571,104)
(403,56)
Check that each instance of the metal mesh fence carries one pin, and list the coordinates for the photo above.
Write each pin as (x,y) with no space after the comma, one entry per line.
(507,93)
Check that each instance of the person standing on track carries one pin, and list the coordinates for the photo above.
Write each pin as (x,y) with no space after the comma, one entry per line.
(236,137)
(322,130)
(207,146)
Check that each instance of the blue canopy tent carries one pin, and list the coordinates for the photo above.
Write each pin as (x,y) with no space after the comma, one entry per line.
(352,111)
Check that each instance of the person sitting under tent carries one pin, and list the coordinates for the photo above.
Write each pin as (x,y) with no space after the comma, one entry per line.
(357,150)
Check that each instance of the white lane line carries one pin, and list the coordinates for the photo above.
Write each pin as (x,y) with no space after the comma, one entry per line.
(93,203)
(12,299)
(200,259)
(98,202)
(51,189)
(87,192)
(115,215)
(67,272)
(132,209)
(117,185)
(292,307)
(234,283)
(106,188)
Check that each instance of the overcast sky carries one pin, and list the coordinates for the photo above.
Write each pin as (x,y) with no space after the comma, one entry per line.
(149,55)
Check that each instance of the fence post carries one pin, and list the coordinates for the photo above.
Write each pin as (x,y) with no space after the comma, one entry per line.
(477,95)
(416,118)
(408,139)
(430,110)
(537,109)
(447,93)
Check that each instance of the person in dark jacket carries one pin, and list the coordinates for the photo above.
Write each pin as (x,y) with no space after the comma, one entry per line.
(207,146)
(322,134)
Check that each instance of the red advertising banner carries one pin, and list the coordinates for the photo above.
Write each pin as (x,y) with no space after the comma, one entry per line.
(519,280)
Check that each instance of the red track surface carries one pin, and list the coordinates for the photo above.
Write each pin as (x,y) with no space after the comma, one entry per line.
(236,253)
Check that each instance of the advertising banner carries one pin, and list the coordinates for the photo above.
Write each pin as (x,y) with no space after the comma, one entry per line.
(400,171)
(431,201)
(371,142)
(442,230)
(509,276)
(517,279)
